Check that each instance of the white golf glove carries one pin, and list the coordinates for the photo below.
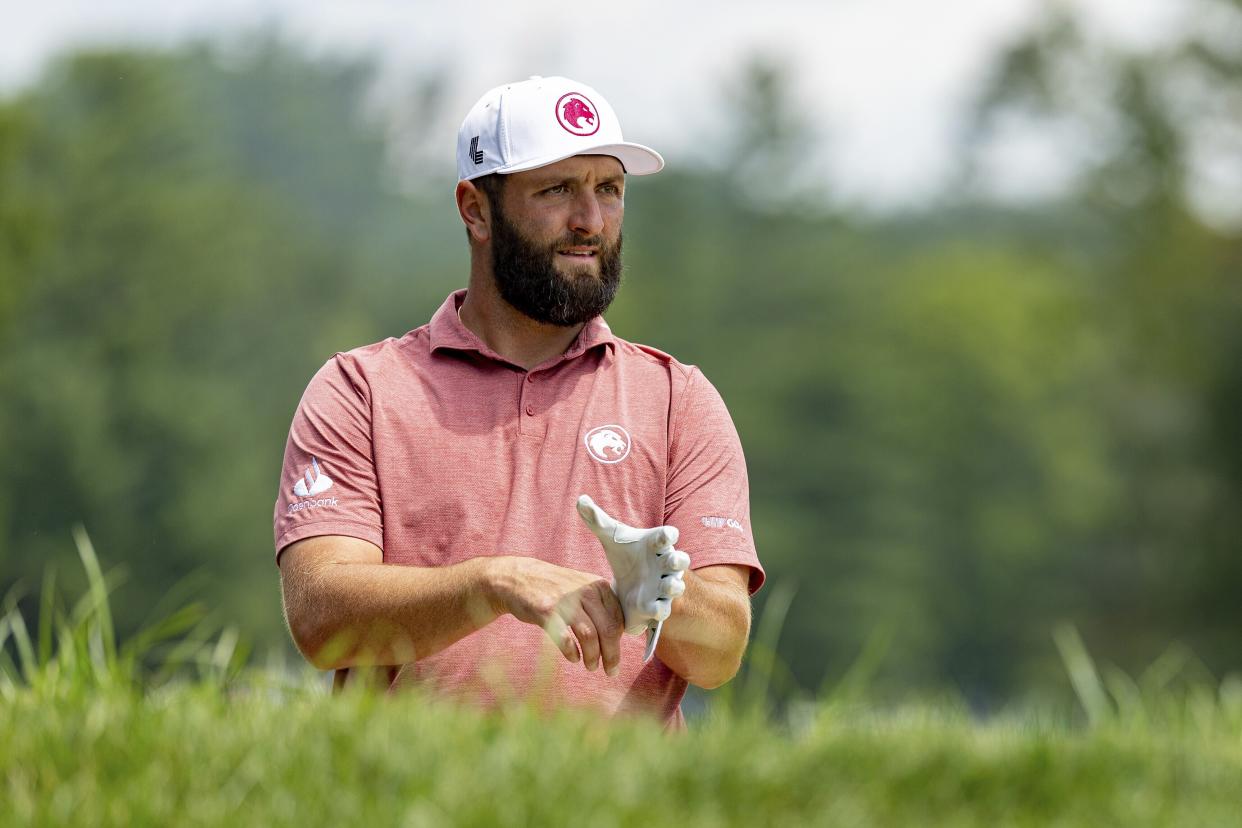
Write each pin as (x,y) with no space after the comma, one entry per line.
(648,573)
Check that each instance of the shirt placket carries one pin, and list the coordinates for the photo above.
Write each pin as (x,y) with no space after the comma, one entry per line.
(530,415)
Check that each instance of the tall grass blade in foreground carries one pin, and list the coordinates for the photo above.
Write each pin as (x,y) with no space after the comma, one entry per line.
(1083,675)
(77,649)
(762,658)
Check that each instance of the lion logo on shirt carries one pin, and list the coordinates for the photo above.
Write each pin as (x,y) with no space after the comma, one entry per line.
(608,443)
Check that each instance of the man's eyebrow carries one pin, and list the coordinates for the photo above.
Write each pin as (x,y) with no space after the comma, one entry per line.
(552,181)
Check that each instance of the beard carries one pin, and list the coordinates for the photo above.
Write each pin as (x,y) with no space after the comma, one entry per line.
(527,277)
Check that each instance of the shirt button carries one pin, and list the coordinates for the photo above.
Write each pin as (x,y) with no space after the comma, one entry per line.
(530,377)
(530,411)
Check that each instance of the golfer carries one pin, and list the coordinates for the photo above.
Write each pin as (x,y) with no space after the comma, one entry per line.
(428,521)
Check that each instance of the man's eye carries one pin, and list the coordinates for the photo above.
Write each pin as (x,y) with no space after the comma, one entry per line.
(611,188)
(559,188)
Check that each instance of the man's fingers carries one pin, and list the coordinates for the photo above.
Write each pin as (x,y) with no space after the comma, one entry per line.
(605,613)
(561,636)
(588,641)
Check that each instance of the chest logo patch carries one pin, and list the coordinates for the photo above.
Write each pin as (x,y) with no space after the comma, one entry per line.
(608,443)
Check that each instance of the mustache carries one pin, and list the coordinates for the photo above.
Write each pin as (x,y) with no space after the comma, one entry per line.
(580,241)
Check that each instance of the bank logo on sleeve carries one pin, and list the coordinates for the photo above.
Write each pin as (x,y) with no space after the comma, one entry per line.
(717,522)
(315,482)
(608,443)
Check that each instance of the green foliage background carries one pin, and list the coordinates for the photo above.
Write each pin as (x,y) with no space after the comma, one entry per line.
(964,424)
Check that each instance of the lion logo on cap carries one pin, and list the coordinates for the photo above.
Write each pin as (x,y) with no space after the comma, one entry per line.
(608,443)
(576,113)
(575,110)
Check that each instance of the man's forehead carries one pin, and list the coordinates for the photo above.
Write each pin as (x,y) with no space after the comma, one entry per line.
(577,166)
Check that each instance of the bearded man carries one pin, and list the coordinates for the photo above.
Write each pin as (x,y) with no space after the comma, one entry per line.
(430,519)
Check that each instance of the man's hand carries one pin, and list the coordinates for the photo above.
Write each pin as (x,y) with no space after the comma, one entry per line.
(568,604)
(648,572)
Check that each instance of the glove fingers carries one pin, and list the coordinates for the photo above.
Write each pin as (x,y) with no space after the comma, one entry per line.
(594,517)
(663,538)
(676,561)
(671,586)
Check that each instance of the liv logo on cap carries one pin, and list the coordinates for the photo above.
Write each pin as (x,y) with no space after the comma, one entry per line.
(576,113)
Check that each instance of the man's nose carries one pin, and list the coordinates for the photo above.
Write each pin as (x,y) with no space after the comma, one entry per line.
(587,219)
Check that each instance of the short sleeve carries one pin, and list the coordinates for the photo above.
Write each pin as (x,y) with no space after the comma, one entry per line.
(328,483)
(708,494)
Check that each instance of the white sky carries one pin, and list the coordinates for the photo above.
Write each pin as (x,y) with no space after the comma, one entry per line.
(884,79)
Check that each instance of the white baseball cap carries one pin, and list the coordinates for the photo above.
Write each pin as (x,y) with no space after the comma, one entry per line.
(531,123)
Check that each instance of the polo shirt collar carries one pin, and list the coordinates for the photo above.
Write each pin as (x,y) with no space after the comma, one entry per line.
(447,331)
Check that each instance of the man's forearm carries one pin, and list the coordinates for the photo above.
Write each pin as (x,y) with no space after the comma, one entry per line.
(705,635)
(362,614)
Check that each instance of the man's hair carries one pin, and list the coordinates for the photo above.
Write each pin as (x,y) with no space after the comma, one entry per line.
(493,186)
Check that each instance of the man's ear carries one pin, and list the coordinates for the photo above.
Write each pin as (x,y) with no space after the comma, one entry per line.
(474,210)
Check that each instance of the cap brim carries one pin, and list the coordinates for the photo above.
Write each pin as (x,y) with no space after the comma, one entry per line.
(635,158)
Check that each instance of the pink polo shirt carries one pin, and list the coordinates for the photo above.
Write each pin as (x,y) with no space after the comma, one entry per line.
(436,449)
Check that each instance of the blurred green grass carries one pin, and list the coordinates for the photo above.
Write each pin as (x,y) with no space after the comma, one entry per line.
(173,728)
(196,755)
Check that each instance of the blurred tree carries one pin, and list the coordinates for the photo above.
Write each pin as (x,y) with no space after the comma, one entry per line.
(1150,133)
(211,232)
(773,152)
(23,225)
(918,419)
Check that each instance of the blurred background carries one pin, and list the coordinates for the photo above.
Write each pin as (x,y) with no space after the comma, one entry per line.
(969,279)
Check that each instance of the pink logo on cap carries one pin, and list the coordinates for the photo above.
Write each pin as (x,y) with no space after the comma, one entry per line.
(576,113)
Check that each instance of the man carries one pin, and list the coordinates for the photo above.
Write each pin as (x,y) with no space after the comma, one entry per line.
(426,520)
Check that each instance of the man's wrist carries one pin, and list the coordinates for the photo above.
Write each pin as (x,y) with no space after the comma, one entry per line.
(491,581)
